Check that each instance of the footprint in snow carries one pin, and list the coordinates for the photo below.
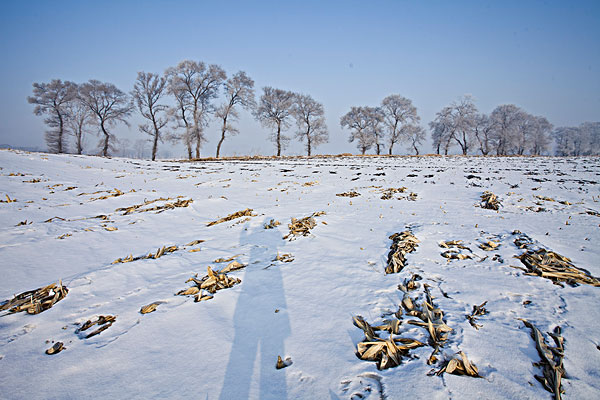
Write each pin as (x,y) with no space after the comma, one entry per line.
(367,386)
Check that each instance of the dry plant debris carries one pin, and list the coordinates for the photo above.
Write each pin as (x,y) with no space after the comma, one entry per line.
(283,363)
(238,214)
(410,284)
(459,366)
(24,223)
(272,224)
(8,200)
(455,250)
(402,244)
(228,259)
(489,245)
(477,311)
(386,353)
(115,193)
(150,307)
(103,321)
(57,348)
(387,194)
(213,281)
(550,265)
(160,208)
(490,201)
(551,359)
(159,252)
(36,301)
(350,193)
(286,258)
(302,226)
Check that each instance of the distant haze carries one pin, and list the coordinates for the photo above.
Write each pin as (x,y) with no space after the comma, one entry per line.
(542,56)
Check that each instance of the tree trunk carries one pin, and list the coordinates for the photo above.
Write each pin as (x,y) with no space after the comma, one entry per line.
(79,133)
(378,147)
(60,133)
(198,146)
(308,144)
(223,129)
(278,139)
(416,149)
(391,146)
(106,137)
(154,146)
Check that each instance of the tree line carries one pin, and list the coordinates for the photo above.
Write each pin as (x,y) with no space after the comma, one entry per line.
(194,88)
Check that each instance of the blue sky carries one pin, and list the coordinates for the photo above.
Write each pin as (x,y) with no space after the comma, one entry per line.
(542,56)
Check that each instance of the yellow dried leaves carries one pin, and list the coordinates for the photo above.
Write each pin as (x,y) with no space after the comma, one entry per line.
(272,224)
(490,201)
(286,258)
(489,245)
(213,281)
(455,250)
(36,301)
(550,265)
(459,366)
(302,226)
(402,244)
(150,307)
(8,200)
(57,348)
(238,214)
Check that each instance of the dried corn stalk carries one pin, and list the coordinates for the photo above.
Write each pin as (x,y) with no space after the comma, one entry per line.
(489,245)
(490,201)
(459,366)
(551,359)
(402,244)
(550,265)
(211,282)
(150,307)
(350,193)
(272,224)
(454,251)
(302,226)
(410,284)
(159,252)
(477,311)
(166,206)
(286,258)
(36,301)
(238,214)
(8,200)
(57,348)
(387,194)
(104,322)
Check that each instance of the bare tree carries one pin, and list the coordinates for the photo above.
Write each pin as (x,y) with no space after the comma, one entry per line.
(310,118)
(464,113)
(147,91)
(398,111)
(361,121)
(442,130)
(414,134)
(506,119)
(79,117)
(482,127)
(274,112)
(239,90)
(377,128)
(540,138)
(52,99)
(108,104)
(194,85)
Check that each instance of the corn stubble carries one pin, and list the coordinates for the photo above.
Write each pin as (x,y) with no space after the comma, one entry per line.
(490,201)
(402,244)
(551,361)
(302,226)
(213,281)
(36,301)
(238,214)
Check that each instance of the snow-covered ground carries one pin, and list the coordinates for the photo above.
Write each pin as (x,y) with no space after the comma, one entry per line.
(227,347)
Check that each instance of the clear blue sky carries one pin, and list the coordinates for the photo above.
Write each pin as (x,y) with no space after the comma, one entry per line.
(541,55)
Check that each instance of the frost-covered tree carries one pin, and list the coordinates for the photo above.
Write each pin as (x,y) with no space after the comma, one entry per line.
(194,85)
(109,105)
(464,114)
(310,119)
(239,91)
(414,135)
(52,99)
(79,118)
(362,123)
(591,130)
(482,129)
(540,136)
(442,130)
(582,140)
(377,129)
(398,111)
(147,92)
(274,111)
(506,119)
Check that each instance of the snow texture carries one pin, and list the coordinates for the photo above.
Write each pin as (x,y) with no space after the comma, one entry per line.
(227,347)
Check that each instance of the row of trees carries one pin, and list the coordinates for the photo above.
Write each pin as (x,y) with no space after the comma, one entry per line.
(507,130)
(192,87)
(178,105)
